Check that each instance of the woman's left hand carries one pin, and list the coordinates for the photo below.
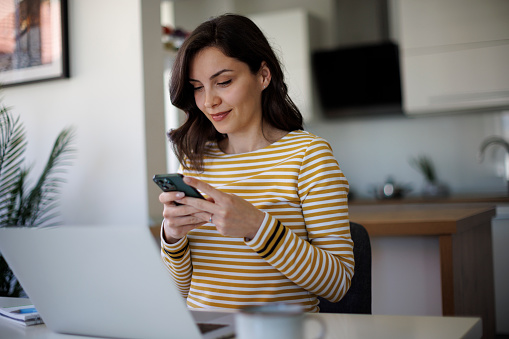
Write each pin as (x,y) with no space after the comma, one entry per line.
(232,215)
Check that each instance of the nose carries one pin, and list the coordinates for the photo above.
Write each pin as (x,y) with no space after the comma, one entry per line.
(211,99)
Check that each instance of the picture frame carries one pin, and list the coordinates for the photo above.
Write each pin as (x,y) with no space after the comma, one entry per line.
(33,41)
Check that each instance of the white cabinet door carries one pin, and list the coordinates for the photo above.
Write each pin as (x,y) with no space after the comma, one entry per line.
(454,55)
(448,22)
(288,33)
(456,79)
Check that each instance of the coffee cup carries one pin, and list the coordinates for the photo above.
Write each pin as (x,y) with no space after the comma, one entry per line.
(275,321)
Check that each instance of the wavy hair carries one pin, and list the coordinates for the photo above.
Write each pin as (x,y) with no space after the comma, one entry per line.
(237,37)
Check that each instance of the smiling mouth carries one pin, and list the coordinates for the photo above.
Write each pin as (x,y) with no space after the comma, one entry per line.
(220,116)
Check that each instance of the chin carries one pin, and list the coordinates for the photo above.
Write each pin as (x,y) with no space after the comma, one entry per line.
(221,129)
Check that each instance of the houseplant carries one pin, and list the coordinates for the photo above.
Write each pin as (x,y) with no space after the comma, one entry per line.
(21,205)
(432,187)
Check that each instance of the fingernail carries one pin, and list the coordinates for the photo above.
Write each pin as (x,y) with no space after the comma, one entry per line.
(179,195)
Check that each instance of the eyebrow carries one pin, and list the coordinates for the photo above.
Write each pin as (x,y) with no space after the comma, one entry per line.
(215,75)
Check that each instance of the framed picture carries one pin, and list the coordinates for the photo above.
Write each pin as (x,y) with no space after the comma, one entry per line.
(33,41)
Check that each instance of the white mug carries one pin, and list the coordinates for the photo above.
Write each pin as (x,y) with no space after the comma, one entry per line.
(274,321)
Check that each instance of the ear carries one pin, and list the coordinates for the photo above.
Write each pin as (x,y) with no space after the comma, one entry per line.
(264,75)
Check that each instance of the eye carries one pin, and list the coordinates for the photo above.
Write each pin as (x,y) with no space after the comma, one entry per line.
(197,88)
(225,83)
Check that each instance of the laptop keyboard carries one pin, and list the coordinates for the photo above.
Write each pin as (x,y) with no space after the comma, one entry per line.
(205,328)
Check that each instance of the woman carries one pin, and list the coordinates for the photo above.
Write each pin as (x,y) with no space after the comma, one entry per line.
(274,227)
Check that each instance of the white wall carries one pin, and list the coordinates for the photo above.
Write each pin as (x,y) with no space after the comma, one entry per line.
(369,150)
(190,13)
(104,100)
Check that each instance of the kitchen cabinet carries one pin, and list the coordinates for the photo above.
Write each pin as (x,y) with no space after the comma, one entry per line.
(500,229)
(454,55)
(288,32)
(500,239)
(464,246)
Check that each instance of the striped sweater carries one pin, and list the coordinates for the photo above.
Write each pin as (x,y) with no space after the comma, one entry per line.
(303,247)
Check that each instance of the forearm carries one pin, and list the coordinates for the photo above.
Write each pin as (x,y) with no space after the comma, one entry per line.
(324,272)
(177,259)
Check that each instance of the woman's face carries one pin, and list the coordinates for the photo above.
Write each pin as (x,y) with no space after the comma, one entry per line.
(227,92)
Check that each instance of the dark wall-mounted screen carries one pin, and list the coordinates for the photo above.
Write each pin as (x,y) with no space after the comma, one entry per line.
(363,80)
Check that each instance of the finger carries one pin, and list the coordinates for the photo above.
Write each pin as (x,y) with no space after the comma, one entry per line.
(169,197)
(173,211)
(196,205)
(179,232)
(188,220)
(204,187)
(204,216)
(183,221)
(183,228)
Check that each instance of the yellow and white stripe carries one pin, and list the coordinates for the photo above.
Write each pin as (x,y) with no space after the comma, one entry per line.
(303,248)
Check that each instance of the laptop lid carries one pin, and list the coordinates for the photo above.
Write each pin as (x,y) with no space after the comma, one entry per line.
(106,281)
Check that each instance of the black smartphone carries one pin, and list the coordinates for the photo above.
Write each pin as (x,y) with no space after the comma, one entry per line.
(174,182)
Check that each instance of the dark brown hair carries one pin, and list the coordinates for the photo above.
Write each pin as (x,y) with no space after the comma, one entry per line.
(237,37)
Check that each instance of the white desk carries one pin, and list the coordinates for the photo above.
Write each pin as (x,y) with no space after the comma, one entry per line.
(342,326)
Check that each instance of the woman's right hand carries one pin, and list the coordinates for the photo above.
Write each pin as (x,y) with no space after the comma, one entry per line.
(178,219)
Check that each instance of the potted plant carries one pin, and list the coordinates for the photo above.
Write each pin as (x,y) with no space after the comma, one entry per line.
(432,187)
(21,205)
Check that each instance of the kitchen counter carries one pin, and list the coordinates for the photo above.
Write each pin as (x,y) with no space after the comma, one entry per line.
(465,245)
(456,198)
(420,219)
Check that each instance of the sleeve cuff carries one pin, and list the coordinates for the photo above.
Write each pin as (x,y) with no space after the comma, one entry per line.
(258,234)
(269,237)
(176,250)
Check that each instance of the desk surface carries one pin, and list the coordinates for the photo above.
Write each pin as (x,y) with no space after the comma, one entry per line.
(338,326)
(420,219)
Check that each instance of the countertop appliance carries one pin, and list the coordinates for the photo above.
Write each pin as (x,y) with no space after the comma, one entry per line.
(359,80)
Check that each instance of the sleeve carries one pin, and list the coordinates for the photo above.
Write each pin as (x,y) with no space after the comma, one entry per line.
(323,265)
(177,259)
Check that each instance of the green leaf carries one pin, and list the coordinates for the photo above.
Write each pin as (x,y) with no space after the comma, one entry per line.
(12,148)
(48,185)
(19,204)
(425,166)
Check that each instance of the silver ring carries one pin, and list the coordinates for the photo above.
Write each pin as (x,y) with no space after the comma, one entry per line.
(210,219)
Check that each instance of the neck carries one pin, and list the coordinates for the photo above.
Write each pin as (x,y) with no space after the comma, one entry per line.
(249,142)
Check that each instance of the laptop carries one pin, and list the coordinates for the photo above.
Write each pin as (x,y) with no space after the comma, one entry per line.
(104,281)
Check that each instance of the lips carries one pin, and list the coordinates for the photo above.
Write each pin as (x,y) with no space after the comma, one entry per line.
(220,116)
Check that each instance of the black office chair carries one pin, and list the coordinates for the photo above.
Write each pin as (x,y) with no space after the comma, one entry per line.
(358,298)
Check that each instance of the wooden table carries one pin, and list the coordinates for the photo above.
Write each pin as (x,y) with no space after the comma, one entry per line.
(466,257)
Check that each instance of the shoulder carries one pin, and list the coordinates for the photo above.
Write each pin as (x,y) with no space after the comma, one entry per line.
(306,139)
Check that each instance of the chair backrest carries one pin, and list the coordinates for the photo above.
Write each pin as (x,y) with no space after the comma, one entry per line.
(358,298)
